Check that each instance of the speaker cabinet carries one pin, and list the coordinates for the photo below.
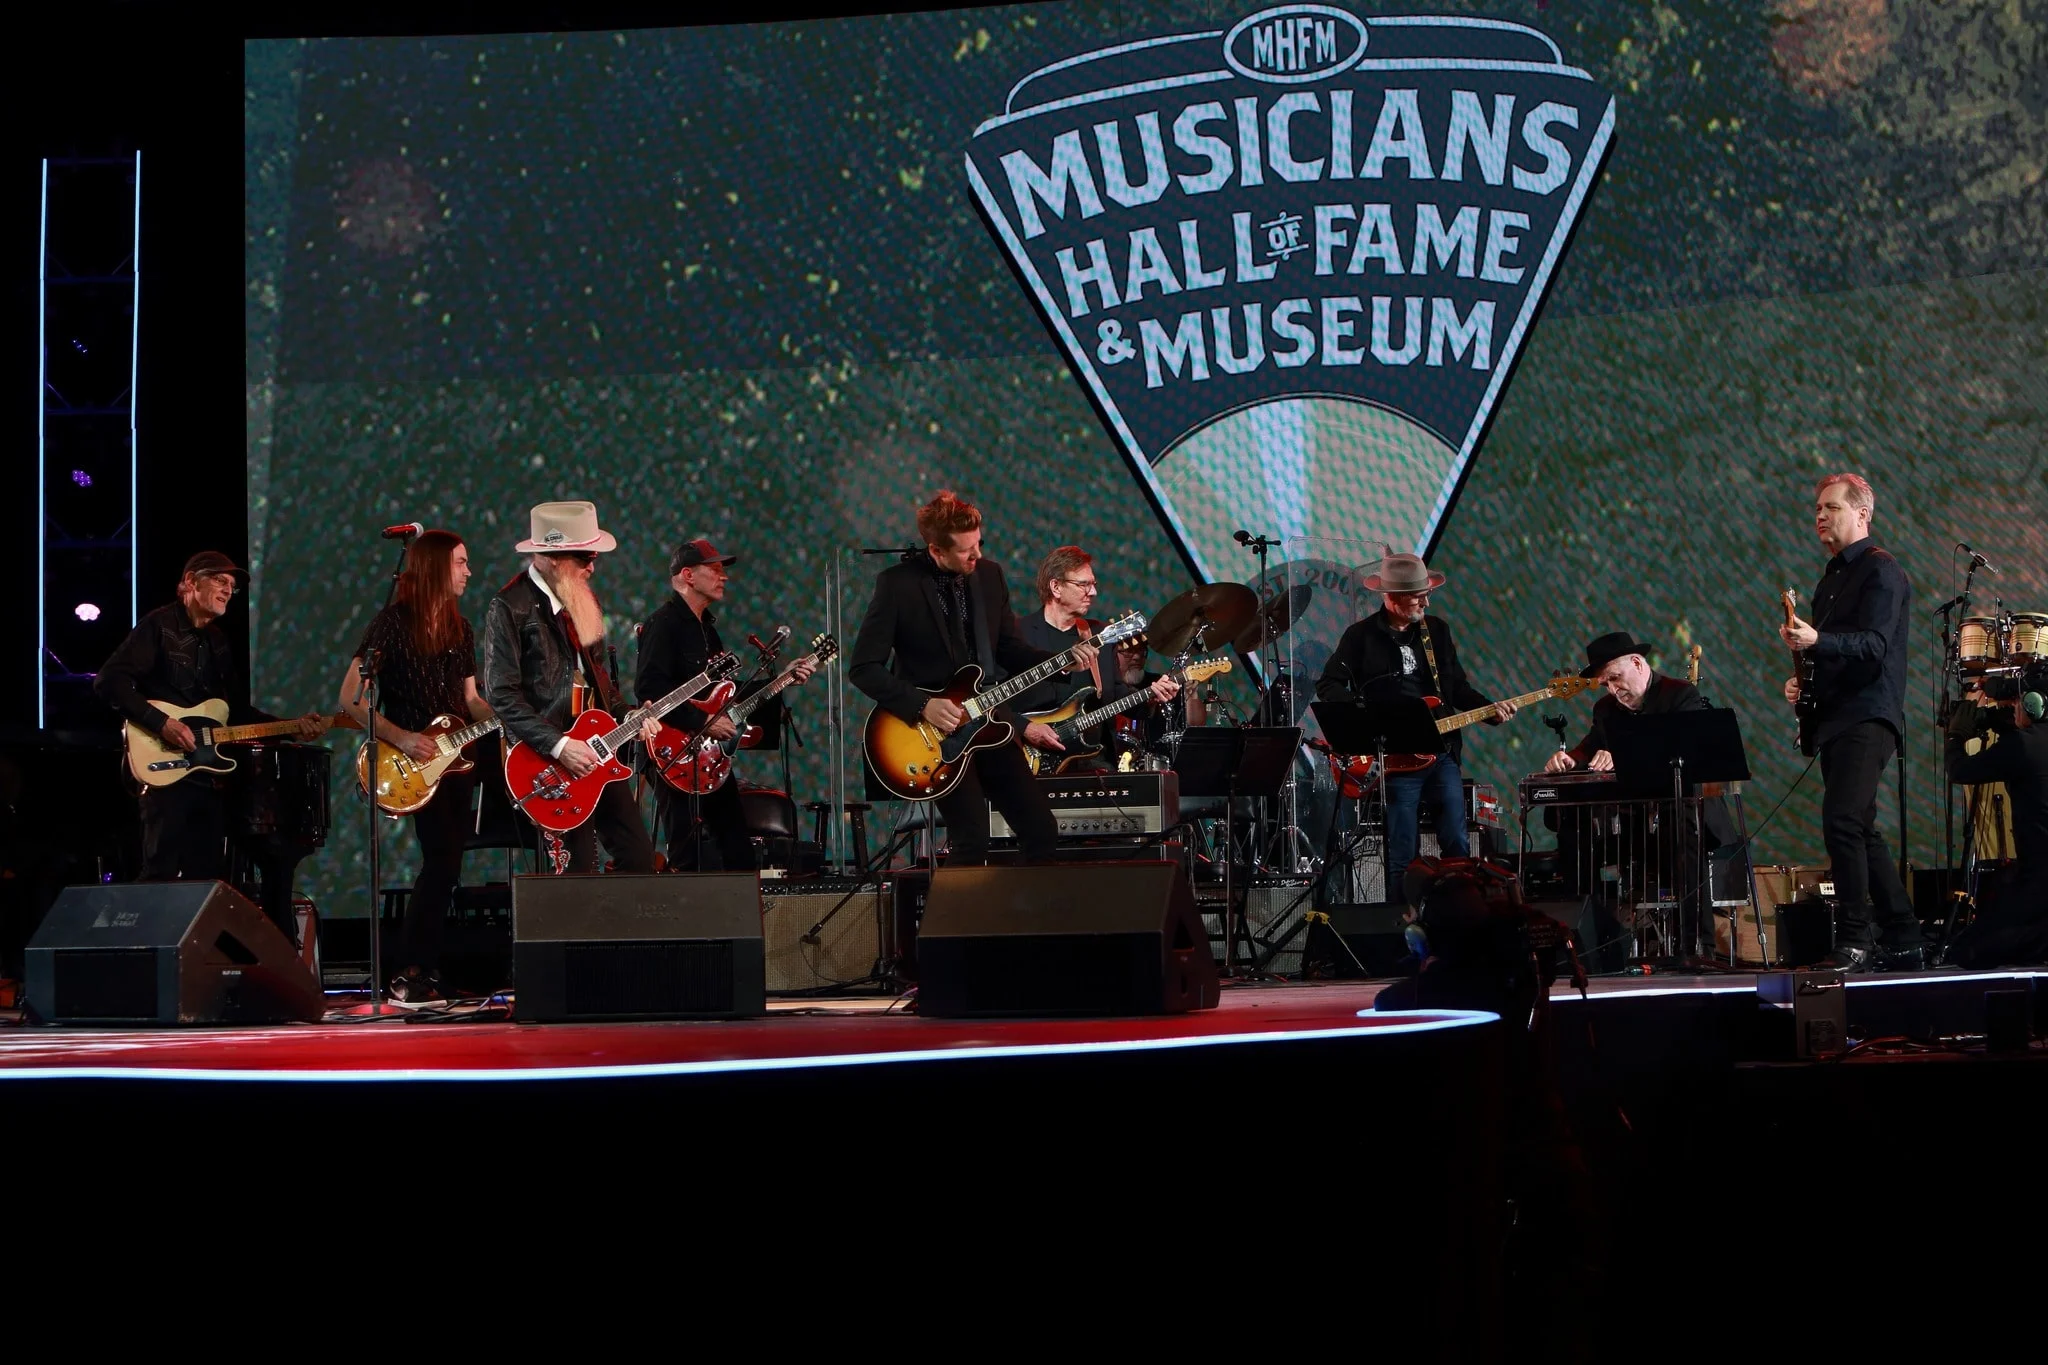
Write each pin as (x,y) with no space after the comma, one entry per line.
(679,946)
(165,953)
(1104,939)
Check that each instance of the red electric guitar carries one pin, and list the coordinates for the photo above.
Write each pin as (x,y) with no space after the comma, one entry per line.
(700,764)
(1354,771)
(552,798)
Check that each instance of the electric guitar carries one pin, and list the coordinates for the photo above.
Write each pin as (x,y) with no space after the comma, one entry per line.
(915,762)
(1803,664)
(156,764)
(700,764)
(404,784)
(543,787)
(1071,723)
(1358,767)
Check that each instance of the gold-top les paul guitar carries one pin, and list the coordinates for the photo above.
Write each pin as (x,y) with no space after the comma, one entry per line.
(404,784)
(157,764)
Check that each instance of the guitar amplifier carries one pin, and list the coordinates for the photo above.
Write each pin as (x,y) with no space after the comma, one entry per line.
(1104,805)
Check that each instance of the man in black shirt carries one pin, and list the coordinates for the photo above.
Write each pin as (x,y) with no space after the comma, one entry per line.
(1066,590)
(1401,650)
(936,612)
(1857,645)
(179,654)
(675,644)
(2014,927)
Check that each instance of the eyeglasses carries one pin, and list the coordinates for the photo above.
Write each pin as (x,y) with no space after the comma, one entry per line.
(227,578)
(1084,584)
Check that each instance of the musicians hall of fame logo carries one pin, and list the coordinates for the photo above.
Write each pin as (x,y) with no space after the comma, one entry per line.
(1294,262)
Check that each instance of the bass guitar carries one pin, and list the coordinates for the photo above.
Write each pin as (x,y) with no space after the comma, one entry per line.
(915,762)
(404,784)
(156,764)
(1803,663)
(1071,723)
(1353,771)
(555,800)
(699,764)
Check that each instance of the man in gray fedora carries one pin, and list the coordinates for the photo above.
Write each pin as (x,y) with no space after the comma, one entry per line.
(1401,650)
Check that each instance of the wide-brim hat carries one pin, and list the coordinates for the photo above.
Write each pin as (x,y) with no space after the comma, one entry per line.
(1404,573)
(561,527)
(1606,649)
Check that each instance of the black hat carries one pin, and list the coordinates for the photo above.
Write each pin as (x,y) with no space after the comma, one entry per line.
(213,561)
(691,553)
(1607,649)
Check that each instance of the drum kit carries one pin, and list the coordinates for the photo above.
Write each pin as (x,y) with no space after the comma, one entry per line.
(1218,616)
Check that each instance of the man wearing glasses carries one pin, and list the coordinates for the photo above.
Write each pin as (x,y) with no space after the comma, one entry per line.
(179,654)
(1401,650)
(1066,593)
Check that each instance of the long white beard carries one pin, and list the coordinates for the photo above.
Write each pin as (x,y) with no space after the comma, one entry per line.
(584,612)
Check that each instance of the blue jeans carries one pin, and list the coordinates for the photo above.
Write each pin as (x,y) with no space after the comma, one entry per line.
(1444,784)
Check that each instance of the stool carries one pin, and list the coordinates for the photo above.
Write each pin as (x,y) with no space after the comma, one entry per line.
(821,812)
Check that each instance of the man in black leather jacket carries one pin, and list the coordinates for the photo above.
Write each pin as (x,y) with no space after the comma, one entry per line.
(541,632)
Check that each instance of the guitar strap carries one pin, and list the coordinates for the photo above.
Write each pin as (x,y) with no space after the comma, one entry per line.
(1436,679)
(1086,630)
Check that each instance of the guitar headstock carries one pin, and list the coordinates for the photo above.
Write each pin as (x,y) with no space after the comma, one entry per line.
(1565,686)
(1790,599)
(1201,670)
(1692,665)
(722,665)
(1125,627)
(824,648)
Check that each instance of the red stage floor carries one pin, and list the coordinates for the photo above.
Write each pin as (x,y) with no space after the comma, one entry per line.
(794,1035)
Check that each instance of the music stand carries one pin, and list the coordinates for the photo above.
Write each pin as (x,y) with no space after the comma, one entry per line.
(1659,756)
(1234,761)
(1384,724)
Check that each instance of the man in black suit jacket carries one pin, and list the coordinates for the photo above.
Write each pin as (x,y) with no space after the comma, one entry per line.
(931,615)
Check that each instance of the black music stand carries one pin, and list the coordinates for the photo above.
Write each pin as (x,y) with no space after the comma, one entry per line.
(1234,761)
(1659,756)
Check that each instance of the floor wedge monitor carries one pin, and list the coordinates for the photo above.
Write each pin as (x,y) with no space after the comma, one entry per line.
(1100,938)
(165,953)
(678,946)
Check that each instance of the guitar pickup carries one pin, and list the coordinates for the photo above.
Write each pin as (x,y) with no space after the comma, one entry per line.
(599,747)
(168,764)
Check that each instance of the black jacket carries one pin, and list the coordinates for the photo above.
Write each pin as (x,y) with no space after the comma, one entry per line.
(1368,663)
(675,644)
(904,643)
(1859,672)
(529,667)
(1664,697)
(2020,760)
(167,658)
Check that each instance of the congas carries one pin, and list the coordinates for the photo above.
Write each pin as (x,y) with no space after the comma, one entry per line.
(2027,637)
(1981,643)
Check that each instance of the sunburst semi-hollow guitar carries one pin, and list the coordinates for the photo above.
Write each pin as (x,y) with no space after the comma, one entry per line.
(404,784)
(1071,724)
(915,762)
(553,799)
(699,764)
(1357,768)
(157,764)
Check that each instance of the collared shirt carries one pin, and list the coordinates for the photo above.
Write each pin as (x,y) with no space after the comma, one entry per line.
(956,604)
(167,658)
(1861,610)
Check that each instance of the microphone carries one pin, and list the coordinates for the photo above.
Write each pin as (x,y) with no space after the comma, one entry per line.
(1243,537)
(1977,561)
(776,639)
(405,532)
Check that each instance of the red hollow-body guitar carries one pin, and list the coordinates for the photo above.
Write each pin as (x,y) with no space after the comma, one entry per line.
(697,763)
(551,798)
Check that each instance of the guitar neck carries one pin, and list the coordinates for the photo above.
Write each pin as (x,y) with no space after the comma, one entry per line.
(658,708)
(982,703)
(462,738)
(1446,724)
(1087,719)
(741,709)
(232,734)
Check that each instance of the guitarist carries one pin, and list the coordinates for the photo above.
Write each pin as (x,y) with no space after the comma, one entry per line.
(1066,590)
(675,645)
(426,667)
(1401,650)
(1855,717)
(179,654)
(543,646)
(940,609)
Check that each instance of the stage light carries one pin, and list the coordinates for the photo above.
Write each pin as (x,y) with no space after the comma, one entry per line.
(81,478)
(86,611)
(78,345)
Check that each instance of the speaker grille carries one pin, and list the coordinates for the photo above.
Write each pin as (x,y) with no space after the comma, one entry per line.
(105,983)
(636,977)
(1060,973)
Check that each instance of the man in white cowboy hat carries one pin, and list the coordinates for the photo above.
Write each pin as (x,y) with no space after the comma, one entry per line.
(1401,650)
(543,636)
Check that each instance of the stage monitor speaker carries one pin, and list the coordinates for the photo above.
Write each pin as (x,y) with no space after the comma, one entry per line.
(165,953)
(677,946)
(1104,939)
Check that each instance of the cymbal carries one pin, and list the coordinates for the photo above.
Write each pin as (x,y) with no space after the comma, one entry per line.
(1208,616)
(1280,611)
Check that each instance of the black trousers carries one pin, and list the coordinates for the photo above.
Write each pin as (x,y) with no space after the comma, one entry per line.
(617,824)
(184,831)
(1872,899)
(442,828)
(1001,775)
(719,816)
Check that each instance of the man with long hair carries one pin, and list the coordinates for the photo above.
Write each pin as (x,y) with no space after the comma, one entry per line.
(544,648)
(179,654)
(937,611)
(426,668)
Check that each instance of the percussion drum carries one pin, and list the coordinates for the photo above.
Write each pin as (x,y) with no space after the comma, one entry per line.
(2027,637)
(1981,643)
(280,793)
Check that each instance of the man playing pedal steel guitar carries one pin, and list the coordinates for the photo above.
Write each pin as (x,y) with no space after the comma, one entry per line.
(1066,590)
(1857,646)
(1401,650)
(543,641)
(179,654)
(676,643)
(935,612)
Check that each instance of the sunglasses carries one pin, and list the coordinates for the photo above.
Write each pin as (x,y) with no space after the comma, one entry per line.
(580,556)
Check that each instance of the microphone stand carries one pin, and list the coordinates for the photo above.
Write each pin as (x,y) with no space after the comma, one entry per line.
(371,697)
